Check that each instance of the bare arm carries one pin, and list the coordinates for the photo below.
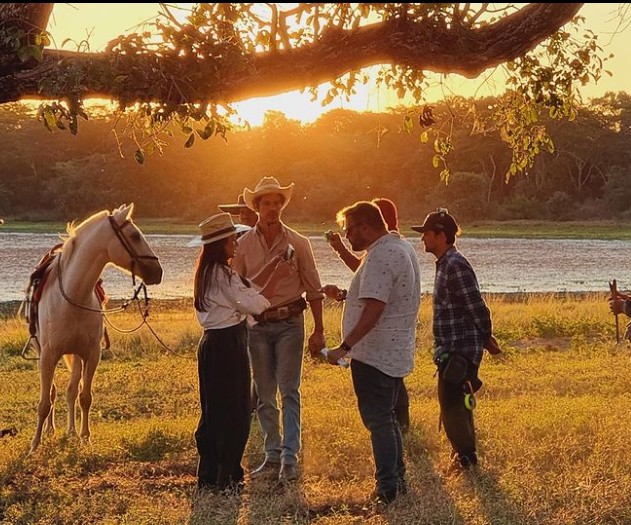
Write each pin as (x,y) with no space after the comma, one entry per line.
(316,339)
(348,258)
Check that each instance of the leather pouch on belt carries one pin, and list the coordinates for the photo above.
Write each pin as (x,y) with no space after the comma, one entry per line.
(455,370)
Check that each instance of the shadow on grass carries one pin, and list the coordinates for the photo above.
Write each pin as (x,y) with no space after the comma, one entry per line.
(498,507)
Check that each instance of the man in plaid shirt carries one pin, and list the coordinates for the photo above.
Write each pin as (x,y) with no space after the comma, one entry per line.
(462,329)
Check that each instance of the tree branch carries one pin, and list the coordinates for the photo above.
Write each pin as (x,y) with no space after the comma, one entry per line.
(420,45)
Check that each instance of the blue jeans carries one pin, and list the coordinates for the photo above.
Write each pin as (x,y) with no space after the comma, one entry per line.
(376,397)
(276,358)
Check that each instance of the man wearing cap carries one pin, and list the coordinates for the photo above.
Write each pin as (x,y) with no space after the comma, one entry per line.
(276,341)
(245,214)
(462,329)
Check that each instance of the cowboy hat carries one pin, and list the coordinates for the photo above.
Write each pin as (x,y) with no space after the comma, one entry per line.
(266,186)
(234,209)
(216,228)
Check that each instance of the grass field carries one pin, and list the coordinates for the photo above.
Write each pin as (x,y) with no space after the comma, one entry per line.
(527,229)
(552,424)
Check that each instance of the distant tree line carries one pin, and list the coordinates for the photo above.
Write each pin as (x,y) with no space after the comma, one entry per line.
(342,157)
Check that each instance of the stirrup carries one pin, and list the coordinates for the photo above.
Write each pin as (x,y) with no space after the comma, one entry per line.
(35,343)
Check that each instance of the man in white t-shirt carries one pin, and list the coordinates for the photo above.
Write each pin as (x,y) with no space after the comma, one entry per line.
(378,330)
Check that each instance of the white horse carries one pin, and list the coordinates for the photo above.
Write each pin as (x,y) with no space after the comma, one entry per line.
(70,318)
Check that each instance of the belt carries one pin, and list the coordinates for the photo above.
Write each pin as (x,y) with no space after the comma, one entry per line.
(280,313)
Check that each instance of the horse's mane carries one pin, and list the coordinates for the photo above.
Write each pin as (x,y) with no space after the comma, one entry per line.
(72,230)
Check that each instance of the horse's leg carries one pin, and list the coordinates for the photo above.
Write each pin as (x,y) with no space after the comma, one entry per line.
(46,371)
(85,396)
(75,365)
(49,424)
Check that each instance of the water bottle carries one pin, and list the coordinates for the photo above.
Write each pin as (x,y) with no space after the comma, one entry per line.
(341,361)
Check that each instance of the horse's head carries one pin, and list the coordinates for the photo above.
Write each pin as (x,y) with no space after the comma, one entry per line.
(129,248)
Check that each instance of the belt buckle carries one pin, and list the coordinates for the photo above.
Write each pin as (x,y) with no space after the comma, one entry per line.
(283,312)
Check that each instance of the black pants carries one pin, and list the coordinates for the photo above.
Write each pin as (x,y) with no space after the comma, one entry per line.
(224,395)
(402,407)
(457,419)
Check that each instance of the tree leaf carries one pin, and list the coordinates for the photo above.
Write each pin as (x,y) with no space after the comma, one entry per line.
(189,142)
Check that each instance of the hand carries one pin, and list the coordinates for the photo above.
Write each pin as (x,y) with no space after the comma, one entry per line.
(616,305)
(492,346)
(316,343)
(334,355)
(336,242)
(331,291)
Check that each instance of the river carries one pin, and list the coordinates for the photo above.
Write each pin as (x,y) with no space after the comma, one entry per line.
(502,265)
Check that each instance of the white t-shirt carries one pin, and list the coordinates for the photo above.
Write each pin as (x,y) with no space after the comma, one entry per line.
(229,300)
(389,273)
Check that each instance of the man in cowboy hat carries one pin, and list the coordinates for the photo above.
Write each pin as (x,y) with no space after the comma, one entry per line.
(276,341)
(246,215)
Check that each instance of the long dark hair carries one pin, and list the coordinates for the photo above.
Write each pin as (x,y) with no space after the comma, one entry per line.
(213,256)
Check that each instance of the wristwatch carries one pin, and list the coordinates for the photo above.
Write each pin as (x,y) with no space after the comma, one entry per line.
(345,346)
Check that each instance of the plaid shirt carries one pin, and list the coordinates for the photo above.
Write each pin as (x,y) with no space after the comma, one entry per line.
(462,321)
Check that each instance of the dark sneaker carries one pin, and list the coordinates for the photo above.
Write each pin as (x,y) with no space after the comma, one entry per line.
(468,460)
(462,462)
(288,472)
(383,497)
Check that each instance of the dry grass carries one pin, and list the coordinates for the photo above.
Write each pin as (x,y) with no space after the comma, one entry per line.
(551,421)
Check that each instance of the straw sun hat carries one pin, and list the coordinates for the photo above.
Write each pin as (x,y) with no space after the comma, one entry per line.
(216,228)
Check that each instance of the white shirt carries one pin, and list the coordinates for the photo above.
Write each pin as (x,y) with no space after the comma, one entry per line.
(390,274)
(229,300)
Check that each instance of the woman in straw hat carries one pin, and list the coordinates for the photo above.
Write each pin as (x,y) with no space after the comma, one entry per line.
(223,300)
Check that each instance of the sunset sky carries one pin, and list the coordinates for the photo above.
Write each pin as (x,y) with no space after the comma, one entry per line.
(99,23)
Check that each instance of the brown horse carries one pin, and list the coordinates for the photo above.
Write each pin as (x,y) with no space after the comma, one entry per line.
(70,317)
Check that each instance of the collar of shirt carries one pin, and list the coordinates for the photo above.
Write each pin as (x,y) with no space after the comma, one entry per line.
(448,252)
(283,234)
(378,241)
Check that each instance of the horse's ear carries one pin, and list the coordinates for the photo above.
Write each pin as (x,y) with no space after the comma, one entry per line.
(123,212)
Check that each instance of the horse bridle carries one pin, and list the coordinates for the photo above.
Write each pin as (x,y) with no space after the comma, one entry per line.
(118,230)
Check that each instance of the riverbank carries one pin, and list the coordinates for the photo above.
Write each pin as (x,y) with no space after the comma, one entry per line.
(526,229)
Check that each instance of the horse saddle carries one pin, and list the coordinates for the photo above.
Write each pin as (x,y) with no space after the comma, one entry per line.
(36,284)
